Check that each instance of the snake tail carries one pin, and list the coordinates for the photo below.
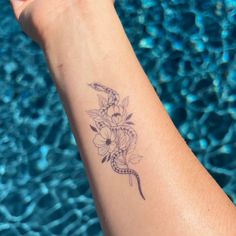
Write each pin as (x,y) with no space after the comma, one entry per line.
(127,171)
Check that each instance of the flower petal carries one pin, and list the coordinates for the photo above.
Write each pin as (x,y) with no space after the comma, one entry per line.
(116,109)
(103,150)
(110,111)
(115,119)
(119,119)
(99,140)
(121,110)
(105,132)
(112,147)
(113,136)
(123,140)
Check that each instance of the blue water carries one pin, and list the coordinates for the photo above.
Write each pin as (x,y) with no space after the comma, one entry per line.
(188,50)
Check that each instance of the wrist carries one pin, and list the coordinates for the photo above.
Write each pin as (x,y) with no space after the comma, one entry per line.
(73,20)
(86,37)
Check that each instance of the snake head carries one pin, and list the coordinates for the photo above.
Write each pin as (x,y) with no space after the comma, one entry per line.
(92,85)
(97,86)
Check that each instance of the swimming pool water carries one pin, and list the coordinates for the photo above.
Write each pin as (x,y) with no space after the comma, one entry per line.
(187,48)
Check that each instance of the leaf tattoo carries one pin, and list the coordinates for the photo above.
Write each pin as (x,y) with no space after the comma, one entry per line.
(115,137)
(134,159)
(93,128)
(129,116)
(125,102)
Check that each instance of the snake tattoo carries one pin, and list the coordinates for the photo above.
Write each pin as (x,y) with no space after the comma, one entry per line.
(115,137)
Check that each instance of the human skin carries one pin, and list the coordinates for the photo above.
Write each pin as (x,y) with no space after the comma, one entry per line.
(84,42)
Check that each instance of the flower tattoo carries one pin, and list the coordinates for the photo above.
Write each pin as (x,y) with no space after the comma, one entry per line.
(115,137)
(105,141)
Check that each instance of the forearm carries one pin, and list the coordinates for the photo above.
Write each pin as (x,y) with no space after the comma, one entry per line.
(181,197)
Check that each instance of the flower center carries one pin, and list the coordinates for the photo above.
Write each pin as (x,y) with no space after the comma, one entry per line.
(108,142)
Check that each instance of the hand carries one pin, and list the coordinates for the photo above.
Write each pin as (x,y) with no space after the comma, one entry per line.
(38,18)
